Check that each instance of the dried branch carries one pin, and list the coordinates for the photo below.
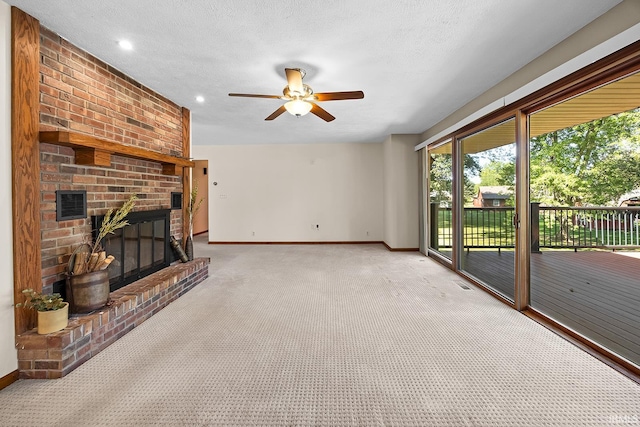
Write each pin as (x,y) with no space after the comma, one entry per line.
(94,258)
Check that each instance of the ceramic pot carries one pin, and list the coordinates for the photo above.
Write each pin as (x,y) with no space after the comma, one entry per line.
(54,320)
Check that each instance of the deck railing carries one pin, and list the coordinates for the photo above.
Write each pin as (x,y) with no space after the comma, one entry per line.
(552,227)
(580,227)
(489,227)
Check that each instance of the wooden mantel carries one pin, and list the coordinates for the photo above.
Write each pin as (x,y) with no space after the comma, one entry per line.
(92,151)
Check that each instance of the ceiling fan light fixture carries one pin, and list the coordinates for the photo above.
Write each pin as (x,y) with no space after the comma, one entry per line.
(301,99)
(298,107)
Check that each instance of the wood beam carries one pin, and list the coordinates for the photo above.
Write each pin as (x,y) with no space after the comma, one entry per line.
(523,212)
(94,151)
(92,157)
(25,153)
(186,172)
(171,169)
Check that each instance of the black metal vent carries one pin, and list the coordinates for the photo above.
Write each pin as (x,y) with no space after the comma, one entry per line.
(463,285)
(71,205)
(176,201)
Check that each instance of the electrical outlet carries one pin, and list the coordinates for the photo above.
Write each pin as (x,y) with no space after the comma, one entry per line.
(367,233)
(253,233)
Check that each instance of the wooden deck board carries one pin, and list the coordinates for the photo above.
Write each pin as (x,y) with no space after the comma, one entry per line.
(595,293)
(498,273)
(593,307)
(604,319)
(618,272)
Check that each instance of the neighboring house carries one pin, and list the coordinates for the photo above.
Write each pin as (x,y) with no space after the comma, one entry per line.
(492,196)
(631,198)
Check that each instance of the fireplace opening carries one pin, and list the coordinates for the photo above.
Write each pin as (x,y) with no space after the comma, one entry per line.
(140,248)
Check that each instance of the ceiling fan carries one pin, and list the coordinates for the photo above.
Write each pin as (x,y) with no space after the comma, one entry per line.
(301,99)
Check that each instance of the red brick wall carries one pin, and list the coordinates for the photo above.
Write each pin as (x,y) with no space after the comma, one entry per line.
(82,94)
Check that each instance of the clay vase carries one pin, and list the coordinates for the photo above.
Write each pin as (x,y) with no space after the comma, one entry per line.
(188,248)
(53,320)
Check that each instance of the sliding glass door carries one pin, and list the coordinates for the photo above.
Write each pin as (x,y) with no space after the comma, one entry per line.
(585,215)
(543,209)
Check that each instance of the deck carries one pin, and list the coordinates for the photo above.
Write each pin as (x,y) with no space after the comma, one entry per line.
(595,293)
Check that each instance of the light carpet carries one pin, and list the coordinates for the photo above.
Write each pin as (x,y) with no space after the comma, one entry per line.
(331,335)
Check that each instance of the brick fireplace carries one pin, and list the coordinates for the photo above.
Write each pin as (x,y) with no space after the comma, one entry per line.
(81,94)
(96,131)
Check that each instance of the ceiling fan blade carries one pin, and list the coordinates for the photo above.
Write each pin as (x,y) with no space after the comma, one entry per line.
(337,96)
(276,113)
(322,113)
(252,95)
(294,80)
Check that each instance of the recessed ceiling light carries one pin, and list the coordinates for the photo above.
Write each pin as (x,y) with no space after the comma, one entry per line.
(125,44)
(200,98)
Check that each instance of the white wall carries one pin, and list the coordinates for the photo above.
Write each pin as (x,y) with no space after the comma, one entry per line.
(8,356)
(281,192)
(401,187)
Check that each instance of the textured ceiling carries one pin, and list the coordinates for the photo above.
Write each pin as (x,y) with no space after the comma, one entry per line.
(417,61)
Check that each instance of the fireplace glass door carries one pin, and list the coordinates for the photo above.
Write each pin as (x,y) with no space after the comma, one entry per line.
(140,248)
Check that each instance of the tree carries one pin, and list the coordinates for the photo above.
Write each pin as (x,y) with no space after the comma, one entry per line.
(441,178)
(471,169)
(615,175)
(591,163)
(498,173)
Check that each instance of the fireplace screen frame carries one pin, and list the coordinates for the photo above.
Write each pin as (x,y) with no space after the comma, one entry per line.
(117,245)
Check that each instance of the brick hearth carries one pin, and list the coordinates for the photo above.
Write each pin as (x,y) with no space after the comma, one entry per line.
(55,355)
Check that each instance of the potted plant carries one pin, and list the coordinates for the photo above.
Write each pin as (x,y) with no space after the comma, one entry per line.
(87,276)
(192,209)
(53,312)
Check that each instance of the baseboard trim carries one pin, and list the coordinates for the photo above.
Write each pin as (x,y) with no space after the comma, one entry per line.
(342,242)
(349,242)
(202,232)
(400,249)
(9,379)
